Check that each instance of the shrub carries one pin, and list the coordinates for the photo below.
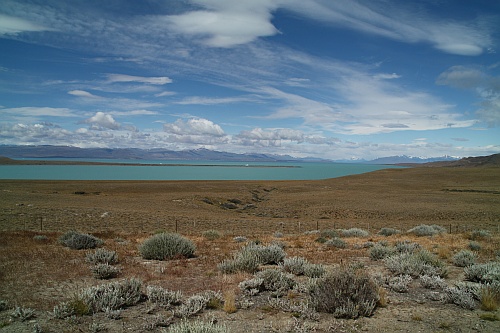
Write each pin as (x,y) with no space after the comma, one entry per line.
(22,314)
(211,234)
(63,310)
(400,284)
(336,242)
(407,246)
(166,246)
(40,238)
(480,234)
(251,256)
(427,230)
(474,246)
(78,241)
(483,273)
(197,303)
(388,232)
(329,233)
(240,239)
(464,258)
(112,296)
(379,252)
(105,271)
(163,297)
(345,294)
(462,297)
(185,326)
(415,264)
(432,282)
(268,280)
(294,265)
(314,270)
(354,232)
(102,256)
(490,297)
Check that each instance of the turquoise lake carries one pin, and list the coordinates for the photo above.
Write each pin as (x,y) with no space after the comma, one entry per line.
(189,170)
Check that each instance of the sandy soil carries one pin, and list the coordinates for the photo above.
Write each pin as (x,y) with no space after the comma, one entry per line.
(124,213)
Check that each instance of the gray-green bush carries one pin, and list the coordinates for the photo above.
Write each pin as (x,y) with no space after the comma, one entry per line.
(345,294)
(112,296)
(388,232)
(251,256)
(354,232)
(427,230)
(379,251)
(102,256)
(104,271)
(79,241)
(165,246)
(483,273)
(197,326)
(415,264)
(163,297)
(464,258)
(270,279)
(337,243)
(211,234)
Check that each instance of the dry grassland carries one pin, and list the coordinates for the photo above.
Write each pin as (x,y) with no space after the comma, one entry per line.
(40,274)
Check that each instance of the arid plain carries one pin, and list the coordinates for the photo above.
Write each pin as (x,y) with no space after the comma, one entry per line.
(124,213)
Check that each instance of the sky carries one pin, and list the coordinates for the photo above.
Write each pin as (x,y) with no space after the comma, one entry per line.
(344,79)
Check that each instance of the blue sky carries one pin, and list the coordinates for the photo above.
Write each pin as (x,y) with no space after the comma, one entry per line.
(339,79)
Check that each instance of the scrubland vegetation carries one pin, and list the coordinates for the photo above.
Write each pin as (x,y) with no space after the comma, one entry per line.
(197,283)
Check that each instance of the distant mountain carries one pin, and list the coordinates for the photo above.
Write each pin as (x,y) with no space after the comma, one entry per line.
(478,161)
(410,160)
(41,152)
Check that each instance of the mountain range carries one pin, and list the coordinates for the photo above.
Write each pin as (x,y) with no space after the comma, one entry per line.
(45,151)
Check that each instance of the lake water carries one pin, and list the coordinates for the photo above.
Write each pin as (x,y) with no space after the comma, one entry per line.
(189,170)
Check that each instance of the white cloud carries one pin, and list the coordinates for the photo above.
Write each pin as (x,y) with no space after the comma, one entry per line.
(83,93)
(258,134)
(10,25)
(165,93)
(195,126)
(485,86)
(213,100)
(157,80)
(102,120)
(33,111)
(227,23)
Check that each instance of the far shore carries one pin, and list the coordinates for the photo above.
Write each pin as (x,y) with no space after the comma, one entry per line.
(9,161)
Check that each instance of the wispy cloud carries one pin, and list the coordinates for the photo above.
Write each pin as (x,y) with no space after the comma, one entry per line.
(485,86)
(195,100)
(11,25)
(157,80)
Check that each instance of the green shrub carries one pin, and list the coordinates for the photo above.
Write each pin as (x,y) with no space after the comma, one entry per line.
(165,246)
(78,241)
(432,282)
(105,271)
(40,238)
(388,232)
(345,294)
(483,273)
(22,314)
(197,326)
(314,270)
(294,265)
(474,246)
(464,258)
(407,246)
(427,230)
(379,252)
(211,234)
(163,297)
(111,296)
(329,233)
(354,232)
(102,256)
(400,283)
(336,242)
(463,295)
(480,234)
(251,256)
(415,264)
(268,280)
